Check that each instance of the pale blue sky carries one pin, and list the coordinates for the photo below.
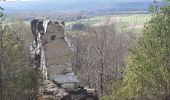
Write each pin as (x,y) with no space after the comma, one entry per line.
(79,0)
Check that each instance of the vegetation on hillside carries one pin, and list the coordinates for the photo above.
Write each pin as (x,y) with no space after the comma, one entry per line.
(17,78)
(147,74)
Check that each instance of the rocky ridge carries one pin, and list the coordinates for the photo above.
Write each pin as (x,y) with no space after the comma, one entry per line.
(52,55)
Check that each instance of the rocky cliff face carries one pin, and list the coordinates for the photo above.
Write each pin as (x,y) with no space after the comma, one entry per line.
(52,55)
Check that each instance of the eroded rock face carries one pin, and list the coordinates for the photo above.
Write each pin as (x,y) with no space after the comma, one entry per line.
(50,91)
(52,55)
(51,52)
(81,94)
(38,27)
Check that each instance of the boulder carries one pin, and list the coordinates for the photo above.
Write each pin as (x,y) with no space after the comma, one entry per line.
(50,91)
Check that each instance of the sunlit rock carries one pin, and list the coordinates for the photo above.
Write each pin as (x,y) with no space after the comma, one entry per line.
(52,53)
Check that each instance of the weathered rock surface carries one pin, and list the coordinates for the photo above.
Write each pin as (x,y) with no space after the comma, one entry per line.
(50,91)
(52,55)
(81,94)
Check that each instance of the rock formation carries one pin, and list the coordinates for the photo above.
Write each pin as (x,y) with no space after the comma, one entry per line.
(50,91)
(52,55)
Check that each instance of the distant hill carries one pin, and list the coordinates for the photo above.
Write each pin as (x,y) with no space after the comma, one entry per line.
(74,5)
(72,9)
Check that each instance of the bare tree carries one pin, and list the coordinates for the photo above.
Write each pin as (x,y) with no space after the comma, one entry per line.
(100,56)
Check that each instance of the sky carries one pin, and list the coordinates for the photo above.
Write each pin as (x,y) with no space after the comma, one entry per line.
(79,0)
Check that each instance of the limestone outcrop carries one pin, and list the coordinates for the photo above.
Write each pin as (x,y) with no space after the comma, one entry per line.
(52,54)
